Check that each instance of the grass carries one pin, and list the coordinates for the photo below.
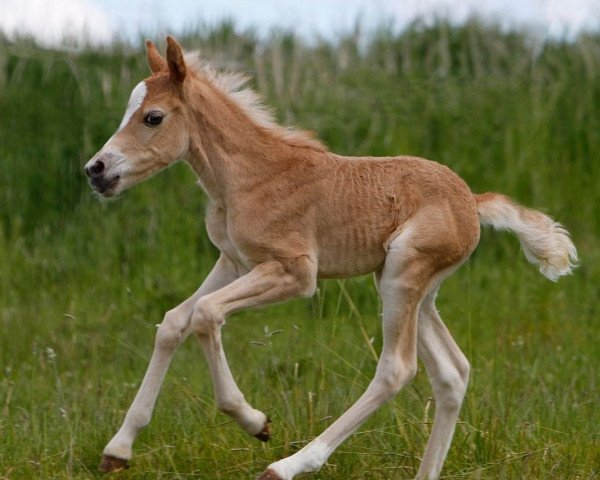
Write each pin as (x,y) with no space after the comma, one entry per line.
(83,283)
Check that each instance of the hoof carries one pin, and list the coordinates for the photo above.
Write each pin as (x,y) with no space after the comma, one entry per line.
(269,474)
(113,464)
(265,434)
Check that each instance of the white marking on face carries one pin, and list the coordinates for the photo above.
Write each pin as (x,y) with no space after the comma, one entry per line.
(135,101)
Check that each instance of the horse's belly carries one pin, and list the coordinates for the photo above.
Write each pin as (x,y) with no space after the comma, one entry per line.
(348,262)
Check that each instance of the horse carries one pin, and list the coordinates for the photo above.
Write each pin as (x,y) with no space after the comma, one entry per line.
(284,211)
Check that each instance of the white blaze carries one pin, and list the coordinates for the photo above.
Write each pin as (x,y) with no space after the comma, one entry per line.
(135,101)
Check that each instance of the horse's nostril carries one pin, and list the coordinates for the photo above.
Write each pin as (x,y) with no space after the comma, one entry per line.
(97,168)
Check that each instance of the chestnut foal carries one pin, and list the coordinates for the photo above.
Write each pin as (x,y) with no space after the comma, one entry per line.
(284,211)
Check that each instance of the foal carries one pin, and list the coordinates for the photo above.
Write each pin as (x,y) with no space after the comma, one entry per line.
(284,211)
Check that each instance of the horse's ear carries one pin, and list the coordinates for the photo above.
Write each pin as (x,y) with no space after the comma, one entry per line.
(156,61)
(175,60)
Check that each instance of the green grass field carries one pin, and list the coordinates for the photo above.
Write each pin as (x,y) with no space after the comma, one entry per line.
(83,282)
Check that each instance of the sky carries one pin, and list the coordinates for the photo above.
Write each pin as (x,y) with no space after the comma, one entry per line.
(98,22)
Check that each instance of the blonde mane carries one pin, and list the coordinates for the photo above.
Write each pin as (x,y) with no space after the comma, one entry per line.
(235,86)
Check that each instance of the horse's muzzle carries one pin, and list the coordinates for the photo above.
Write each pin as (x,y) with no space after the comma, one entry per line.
(103,185)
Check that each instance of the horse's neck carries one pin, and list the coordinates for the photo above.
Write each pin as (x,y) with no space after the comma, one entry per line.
(229,156)
(231,153)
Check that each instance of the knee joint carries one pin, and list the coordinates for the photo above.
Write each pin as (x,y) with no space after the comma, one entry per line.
(206,317)
(171,331)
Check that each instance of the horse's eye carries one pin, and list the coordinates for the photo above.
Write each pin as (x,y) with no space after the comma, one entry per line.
(153,119)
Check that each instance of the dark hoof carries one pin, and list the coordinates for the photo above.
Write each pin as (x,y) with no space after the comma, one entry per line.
(113,464)
(269,474)
(265,434)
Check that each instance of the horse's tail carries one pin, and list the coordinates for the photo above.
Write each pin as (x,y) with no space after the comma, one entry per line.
(545,242)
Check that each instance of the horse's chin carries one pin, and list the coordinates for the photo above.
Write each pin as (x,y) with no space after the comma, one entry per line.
(107,188)
(108,194)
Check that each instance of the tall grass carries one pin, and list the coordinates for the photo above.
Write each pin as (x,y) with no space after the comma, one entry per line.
(82,282)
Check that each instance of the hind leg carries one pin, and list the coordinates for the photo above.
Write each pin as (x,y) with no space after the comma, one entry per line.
(404,281)
(448,370)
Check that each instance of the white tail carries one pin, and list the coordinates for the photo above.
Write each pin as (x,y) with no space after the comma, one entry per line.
(545,242)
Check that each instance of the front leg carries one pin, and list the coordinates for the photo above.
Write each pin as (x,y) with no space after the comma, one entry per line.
(171,333)
(267,283)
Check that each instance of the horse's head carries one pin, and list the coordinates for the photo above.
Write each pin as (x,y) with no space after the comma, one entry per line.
(153,133)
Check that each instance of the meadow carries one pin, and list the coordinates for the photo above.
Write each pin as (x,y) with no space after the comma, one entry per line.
(83,282)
